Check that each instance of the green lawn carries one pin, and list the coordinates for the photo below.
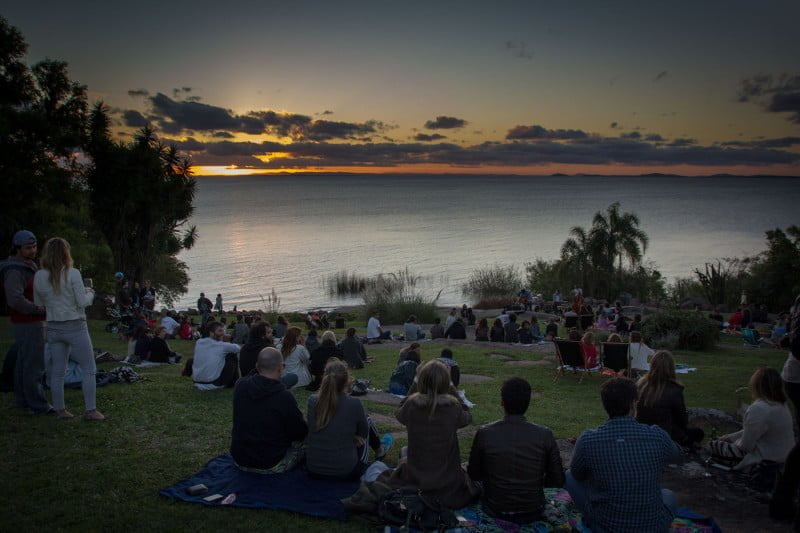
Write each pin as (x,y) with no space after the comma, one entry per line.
(80,475)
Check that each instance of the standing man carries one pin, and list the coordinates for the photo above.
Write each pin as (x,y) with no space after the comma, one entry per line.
(204,308)
(616,468)
(27,323)
(515,459)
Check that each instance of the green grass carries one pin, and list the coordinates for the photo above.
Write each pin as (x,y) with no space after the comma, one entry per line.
(77,475)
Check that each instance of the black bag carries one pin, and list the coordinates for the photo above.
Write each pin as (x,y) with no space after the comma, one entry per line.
(410,509)
(359,387)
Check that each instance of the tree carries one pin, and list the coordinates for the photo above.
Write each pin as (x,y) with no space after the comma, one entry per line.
(142,196)
(576,254)
(772,276)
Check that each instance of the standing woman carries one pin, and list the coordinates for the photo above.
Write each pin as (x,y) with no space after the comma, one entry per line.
(60,289)
(218,304)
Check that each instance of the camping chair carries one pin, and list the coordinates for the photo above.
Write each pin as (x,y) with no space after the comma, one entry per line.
(616,356)
(570,354)
(570,322)
(587,321)
(750,339)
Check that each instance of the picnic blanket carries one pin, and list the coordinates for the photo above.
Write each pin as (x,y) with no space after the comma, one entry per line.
(293,491)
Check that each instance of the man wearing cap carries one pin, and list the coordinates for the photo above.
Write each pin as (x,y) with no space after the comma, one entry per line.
(27,323)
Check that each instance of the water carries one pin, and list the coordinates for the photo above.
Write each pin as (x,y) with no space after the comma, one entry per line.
(290,232)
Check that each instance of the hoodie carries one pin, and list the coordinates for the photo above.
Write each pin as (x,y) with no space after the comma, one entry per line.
(266,420)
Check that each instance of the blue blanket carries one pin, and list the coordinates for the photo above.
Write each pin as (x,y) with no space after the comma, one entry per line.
(293,491)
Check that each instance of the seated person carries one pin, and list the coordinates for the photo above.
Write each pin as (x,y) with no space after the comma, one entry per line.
(498,332)
(259,337)
(536,333)
(432,416)
(319,358)
(735,320)
(640,353)
(268,428)
(470,318)
(280,327)
(589,349)
(515,459)
(411,330)
(767,433)
(551,331)
(413,347)
(141,345)
(437,330)
(159,349)
(616,468)
(661,402)
(339,429)
(511,329)
(456,330)
(524,333)
(170,324)
(215,363)
(241,330)
(446,358)
(295,356)
(374,331)
(353,350)
(403,375)
(636,325)
(602,321)
(312,340)
(482,330)
(780,329)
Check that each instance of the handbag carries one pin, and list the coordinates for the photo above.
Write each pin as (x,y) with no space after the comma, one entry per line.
(409,508)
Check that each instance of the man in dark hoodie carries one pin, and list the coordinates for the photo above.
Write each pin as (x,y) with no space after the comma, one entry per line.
(268,427)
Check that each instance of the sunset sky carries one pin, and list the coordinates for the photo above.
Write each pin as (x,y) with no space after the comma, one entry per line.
(502,87)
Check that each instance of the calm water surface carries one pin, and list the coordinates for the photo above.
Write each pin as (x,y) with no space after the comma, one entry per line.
(288,233)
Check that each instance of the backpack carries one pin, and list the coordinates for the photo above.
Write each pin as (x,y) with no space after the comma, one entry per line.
(359,387)
(408,508)
(5,266)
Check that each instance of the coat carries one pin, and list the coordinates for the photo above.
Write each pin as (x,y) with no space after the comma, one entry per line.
(434,461)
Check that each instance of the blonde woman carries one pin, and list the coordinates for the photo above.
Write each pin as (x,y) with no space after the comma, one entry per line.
(339,429)
(432,416)
(60,289)
(661,401)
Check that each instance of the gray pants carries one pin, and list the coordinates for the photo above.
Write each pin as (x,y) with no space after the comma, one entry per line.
(29,371)
(70,340)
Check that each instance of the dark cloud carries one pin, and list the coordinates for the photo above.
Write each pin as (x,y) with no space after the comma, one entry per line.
(327,112)
(660,76)
(631,135)
(613,125)
(683,142)
(178,91)
(590,151)
(138,92)
(520,49)
(133,119)
(424,137)
(193,98)
(781,142)
(653,137)
(223,135)
(189,116)
(445,123)
(775,93)
(539,132)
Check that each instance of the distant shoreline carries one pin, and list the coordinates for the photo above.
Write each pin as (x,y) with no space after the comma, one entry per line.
(455,174)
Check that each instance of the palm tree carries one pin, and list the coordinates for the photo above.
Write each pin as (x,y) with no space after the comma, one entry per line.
(577,253)
(615,236)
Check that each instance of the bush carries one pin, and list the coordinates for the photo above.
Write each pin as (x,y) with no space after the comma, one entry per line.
(498,281)
(693,331)
(396,307)
(497,302)
(346,283)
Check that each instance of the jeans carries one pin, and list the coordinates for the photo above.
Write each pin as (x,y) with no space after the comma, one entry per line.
(29,370)
(70,340)
(289,380)
(579,491)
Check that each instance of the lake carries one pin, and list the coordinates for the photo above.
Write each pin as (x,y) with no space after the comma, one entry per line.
(289,232)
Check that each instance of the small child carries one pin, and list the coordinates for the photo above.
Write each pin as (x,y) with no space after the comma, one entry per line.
(589,349)
(524,333)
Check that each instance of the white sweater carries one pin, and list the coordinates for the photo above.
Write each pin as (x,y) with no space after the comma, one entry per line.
(209,360)
(69,303)
(768,433)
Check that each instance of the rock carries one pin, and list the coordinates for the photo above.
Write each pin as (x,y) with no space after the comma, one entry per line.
(501,357)
(381,397)
(386,421)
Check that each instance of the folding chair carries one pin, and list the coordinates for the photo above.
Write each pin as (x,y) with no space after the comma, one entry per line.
(750,339)
(570,354)
(616,356)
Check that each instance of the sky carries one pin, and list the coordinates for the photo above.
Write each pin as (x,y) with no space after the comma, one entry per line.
(620,87)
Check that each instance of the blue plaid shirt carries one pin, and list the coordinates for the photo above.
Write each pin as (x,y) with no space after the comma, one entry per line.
(621,463)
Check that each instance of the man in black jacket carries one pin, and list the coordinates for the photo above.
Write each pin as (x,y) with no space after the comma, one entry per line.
(268,428)
(515,459)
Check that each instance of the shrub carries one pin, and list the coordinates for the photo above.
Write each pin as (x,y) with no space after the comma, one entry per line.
(693,331)
(498,281)
(395,307)
(345,283)
(496,302)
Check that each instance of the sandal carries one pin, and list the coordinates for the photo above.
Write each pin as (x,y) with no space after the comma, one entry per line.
(93,415)
(64,415)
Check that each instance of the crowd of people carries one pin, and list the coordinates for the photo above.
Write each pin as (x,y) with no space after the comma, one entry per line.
(614,476)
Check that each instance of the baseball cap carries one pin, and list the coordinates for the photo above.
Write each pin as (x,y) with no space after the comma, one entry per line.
(24,237)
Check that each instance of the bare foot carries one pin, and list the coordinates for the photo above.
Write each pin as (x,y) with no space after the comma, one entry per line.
(94,415)
(63,414)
